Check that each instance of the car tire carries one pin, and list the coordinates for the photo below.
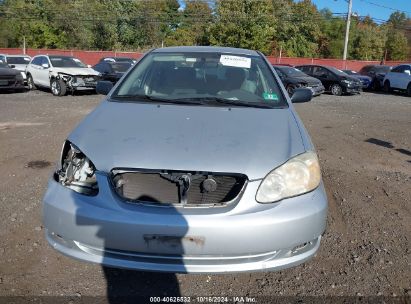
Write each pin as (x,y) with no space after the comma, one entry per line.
(375,85)
(58,87)
(409,89)
(30,82)
(387,86)
(336,89)
(290,90)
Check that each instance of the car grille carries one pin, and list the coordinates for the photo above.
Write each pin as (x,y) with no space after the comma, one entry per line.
(189,189)
(6,80)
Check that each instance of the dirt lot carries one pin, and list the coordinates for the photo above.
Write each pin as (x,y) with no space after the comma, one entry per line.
(364,144)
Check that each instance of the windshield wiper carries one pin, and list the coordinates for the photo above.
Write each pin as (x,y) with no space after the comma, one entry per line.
(137,97)
(232,102)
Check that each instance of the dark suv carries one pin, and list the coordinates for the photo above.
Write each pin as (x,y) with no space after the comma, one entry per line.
(334,80)
(377,73)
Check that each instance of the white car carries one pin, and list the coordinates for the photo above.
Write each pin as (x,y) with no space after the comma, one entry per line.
(61,74)
(17,62)
(399,78)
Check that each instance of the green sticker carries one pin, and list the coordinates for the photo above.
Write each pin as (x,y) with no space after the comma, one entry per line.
(270,96)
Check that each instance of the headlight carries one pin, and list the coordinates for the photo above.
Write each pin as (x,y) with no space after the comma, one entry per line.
(299,175)
(23,75)
(346,81)
(77,172)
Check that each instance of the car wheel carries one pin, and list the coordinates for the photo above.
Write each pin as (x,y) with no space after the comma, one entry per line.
(409,89)
(375,86)
(30,82)
(58,87)
(336,89)
(387,87)
(290,89)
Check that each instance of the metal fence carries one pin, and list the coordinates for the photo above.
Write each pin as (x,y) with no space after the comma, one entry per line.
(92,57)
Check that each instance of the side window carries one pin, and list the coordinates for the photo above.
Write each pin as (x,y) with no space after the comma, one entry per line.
(45,61)
(36,61)
(318,71)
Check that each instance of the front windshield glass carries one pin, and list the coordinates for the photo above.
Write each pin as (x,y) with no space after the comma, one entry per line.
(120,67)
(209,77)
(291,72)
(18,60)
(337,71)
(66,62)
(350,72)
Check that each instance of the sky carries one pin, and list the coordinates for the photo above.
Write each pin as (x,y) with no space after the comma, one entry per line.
(374,8)
(380,9)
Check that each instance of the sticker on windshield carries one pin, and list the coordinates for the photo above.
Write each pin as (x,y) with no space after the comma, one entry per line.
(235,61)
(270,96)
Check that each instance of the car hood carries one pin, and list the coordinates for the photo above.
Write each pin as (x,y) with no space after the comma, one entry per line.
(193,138)
(75,71)
(362,77)
(8,71)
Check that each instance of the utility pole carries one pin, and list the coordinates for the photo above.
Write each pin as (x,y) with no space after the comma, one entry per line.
(347,30)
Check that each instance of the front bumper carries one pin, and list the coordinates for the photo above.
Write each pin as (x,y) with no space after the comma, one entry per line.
(353,89)
(246,237)
(317,90)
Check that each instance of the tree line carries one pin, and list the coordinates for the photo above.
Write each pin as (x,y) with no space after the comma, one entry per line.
(294,29)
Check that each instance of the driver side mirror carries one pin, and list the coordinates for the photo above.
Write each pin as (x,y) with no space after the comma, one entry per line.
(408,72)
(12,66)
(301,95)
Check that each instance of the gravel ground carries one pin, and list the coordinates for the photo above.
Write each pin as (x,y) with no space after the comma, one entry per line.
(364,145)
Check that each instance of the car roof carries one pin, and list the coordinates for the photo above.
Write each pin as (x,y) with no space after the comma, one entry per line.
(206,49)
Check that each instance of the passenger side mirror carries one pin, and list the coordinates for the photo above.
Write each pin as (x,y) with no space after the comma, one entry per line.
(45,66)
(301,95)
(104,87)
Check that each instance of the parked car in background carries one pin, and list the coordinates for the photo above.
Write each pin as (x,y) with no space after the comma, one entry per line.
(377,73)
(119,59)
(399,78)
(334,80)
(365,80)
(10,79)
(61,74)
(293,78)
(18,62)
(195,162)
(112,71)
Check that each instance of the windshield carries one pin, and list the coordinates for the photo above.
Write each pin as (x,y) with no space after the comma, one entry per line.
(66,62)
(337,71)
(211,78)
(349,72)
(291,72)
(18,60)
(120,67)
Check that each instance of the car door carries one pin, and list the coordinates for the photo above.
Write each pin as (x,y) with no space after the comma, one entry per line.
(43,72)
(405,77)
(395,75)
(323,75)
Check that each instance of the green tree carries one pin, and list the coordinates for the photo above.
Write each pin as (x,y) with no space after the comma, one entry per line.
(193,28)
(244,23)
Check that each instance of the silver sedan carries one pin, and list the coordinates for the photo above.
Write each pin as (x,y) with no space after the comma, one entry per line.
(194,162)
